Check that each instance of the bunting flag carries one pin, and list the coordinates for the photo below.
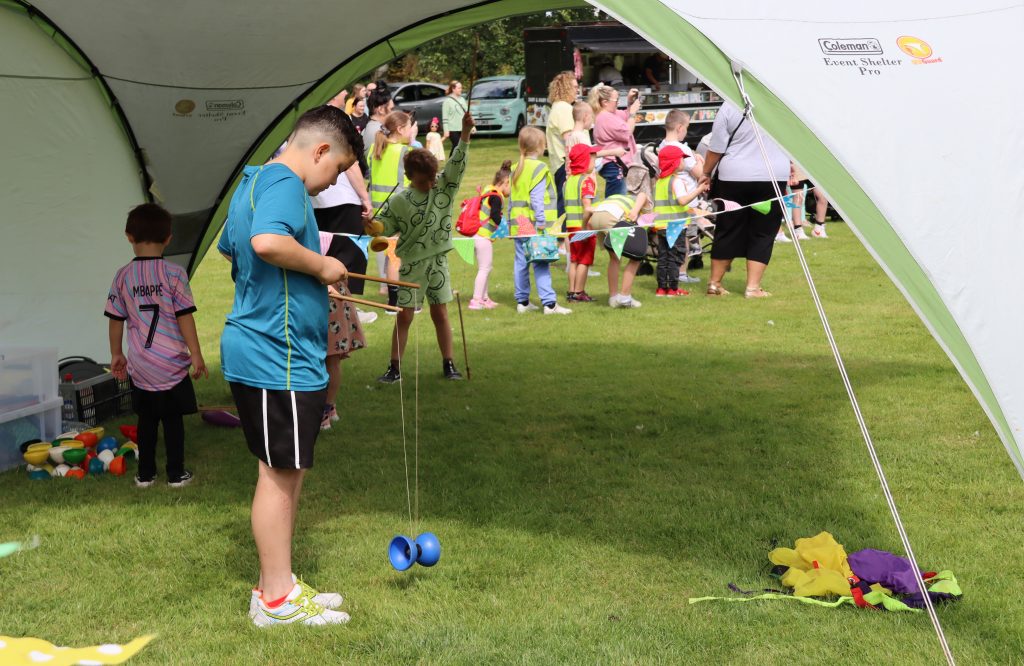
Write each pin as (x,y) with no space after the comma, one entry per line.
(526,227)
(38,651)
(363,242)
(763,207)
(673,230)
(464,246)
(501,231)
(581,236)
(788,200)
(618,238)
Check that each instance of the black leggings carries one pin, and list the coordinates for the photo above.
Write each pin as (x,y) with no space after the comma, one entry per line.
(454,137)
(174,442)
(669,260)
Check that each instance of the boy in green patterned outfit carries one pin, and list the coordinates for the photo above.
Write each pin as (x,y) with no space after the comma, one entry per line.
(421,216)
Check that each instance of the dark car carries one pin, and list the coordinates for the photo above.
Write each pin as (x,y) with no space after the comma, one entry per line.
(423,97)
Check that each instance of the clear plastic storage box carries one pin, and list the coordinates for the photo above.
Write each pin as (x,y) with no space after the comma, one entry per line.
(30,406)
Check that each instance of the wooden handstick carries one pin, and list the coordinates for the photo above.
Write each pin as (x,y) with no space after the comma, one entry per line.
(374,278)
(462,327)
(363,301)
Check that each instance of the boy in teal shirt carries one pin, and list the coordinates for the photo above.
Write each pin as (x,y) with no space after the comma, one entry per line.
(421,216)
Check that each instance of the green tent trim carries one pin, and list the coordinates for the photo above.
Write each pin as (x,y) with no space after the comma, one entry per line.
(90,72)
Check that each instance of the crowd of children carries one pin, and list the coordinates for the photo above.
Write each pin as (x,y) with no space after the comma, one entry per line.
(290,310)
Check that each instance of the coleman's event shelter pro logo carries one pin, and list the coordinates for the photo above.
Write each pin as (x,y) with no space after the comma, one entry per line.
(863,55)
(850,46)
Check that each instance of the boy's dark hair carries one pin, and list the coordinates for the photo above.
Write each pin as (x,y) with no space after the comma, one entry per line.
(379,97)
(421,161)
(148,223)
(331,122)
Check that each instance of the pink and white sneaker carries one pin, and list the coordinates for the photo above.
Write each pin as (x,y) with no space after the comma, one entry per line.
(489,304)
(474,304)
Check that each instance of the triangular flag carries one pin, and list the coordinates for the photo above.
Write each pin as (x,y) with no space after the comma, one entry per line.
(618,239)
(526,227)
(501,231)
(464,246)
(763,207)
(788,200)
(364,243)
(582,235)
(672,232)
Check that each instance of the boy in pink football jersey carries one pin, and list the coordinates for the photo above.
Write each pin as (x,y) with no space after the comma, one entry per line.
(152,295)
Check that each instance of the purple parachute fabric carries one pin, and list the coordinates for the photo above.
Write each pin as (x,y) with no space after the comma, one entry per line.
(879,566)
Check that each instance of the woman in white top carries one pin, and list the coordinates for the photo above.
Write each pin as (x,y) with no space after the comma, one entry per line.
(744,179)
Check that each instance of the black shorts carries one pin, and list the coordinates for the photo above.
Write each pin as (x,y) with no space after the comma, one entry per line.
(280,427)
(746,233)
(344,219)
(181,399)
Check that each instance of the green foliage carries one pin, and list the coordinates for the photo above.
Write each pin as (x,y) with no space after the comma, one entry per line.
(498,46)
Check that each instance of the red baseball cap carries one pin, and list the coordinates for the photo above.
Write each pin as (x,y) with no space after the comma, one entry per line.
(669,158)
(579,158)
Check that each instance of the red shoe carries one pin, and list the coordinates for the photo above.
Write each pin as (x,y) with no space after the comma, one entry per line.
(679,292)
(663,292)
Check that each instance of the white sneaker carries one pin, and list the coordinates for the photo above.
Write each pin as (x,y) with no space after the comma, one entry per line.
(557,309)
(592,273)
(529,307)
(621,301)
(366,317)
(688,279)
(800,234)
(782,238)
(329,600)
(298,607)
(819,231)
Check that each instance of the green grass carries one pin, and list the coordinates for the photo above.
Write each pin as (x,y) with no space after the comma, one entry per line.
(598,471)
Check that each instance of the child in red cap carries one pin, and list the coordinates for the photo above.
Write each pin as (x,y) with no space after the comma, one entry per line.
(580,189)
(671,203)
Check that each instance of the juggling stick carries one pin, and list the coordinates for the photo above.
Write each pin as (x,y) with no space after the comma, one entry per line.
(462,328)
(363,301)
(374,278)
(220,417)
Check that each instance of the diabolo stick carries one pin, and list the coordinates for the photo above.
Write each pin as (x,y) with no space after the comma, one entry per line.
(462,328)
(374,278)
(363,301)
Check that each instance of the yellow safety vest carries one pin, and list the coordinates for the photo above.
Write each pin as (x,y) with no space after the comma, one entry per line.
(387,172)
(626,201)
(534,173)
(485,210)
(666,207)
(574,201)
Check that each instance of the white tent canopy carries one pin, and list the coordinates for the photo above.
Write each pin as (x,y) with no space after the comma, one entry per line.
(108,103)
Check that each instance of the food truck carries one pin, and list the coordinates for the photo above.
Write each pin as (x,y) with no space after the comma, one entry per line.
(609,52)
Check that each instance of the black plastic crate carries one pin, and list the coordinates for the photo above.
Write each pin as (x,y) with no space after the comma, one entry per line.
(96,399)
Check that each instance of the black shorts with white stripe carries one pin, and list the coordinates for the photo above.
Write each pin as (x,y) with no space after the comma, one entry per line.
(280,426)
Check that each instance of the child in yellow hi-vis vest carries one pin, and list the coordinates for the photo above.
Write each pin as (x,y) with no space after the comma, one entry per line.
(671,203)
(532,210)
(421,217)
(386,158)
